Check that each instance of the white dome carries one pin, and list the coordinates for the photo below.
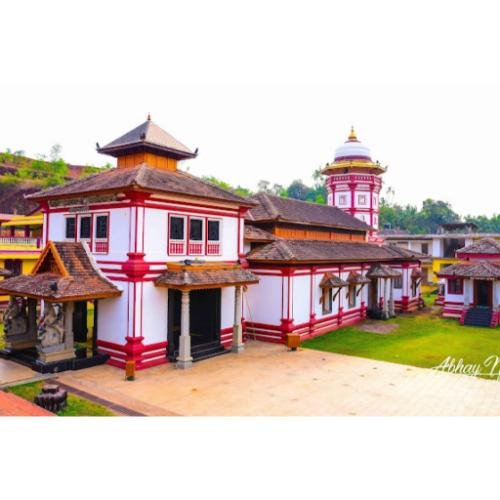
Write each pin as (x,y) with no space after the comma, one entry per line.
(352,148)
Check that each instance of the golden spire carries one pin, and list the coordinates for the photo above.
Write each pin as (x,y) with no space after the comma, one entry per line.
(352,135)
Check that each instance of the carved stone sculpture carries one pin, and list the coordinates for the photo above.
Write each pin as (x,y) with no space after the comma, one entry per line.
(15,318)
(51,326)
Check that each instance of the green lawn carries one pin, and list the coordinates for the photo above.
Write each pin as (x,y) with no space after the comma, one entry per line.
(76,407)
(422,340)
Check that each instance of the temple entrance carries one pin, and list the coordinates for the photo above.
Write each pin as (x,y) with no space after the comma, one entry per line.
(204,320)
(483,293)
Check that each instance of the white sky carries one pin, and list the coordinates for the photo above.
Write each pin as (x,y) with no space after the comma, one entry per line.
(265,92)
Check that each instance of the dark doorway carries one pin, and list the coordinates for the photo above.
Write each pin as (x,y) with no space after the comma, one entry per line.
(80,322)
(204,319)
(483,293)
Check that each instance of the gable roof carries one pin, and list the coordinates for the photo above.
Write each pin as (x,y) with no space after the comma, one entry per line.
(142,178)
(483,246)
(64,272)
(273,208)
(147,136)
(482,269)
(281,251)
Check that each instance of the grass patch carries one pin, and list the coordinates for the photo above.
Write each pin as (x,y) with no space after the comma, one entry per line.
(420,340)
(76,407)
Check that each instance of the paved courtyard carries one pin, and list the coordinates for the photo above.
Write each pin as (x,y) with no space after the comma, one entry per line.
(268,380)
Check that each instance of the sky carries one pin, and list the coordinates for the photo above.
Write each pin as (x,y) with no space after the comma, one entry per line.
(265,92)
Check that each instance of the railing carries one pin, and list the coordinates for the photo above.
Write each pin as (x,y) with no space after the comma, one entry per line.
(31,242)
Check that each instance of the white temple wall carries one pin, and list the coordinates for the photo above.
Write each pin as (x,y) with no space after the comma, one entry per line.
(227,306)
(112,325)
(263,302)
(301,299)
(154,321)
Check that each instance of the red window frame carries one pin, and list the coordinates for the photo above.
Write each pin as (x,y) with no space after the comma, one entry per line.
(213,247)
(174,245)
(100,243)
(196,247)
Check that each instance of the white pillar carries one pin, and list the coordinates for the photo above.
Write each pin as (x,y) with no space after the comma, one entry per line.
(391,298)
(237,345)
(184,360)
(385,309)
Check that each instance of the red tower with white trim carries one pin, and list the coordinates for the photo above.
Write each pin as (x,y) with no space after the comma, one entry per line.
(353,182)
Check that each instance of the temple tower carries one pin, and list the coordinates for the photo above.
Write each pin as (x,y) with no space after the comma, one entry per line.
(353,182)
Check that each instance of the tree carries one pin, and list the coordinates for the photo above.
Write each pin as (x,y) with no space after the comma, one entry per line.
(298,190)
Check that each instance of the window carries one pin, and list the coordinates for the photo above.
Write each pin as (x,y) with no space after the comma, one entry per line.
(101,226)
(213,237)
(177,228)
(342,199)
(101,243)
(455,286)
(398,282)
(327,300)
(176,243)
(361,199)
(425,248)
(85,227)
(15,266)
(213,230)
(70,228)
(196,230)
(352,295)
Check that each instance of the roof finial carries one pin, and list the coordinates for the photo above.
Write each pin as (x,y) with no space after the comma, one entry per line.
(352,135)
(149,117)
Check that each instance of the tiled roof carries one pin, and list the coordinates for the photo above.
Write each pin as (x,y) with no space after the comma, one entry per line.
(187,278)
(64,271)
(357,278)
(4,272)
(382,271)
(142,177)
(482,269)
(483,246)
(150,136)
(327,251)
(329,280)
(275,208)
(257,234)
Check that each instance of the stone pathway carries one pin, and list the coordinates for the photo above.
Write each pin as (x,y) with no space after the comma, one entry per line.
(12,372)
(266,379)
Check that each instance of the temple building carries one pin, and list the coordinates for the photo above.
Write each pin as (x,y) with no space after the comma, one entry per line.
(144,264)
(472,289)
(20,245)
(354,182)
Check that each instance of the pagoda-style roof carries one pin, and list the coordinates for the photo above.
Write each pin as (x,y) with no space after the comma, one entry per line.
(485,246)
(326,251)
(64,272)
(273,208)
(141,178)
(480,270)
(201,275)
(148,137)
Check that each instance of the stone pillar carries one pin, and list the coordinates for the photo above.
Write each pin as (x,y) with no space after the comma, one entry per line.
(385,306)
(392,313)
(184,360)
(237,345)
